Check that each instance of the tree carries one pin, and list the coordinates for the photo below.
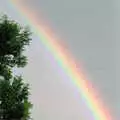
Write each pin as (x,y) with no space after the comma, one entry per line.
(14,99)
(14,93)
(13,40)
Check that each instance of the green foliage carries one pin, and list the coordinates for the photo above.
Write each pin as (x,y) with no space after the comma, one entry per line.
(5,72)
(14,98)
(14,93)
(13,39)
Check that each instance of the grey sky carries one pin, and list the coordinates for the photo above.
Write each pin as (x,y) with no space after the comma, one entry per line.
(90,29)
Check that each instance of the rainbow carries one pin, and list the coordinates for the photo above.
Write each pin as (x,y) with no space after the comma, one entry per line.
(66,62)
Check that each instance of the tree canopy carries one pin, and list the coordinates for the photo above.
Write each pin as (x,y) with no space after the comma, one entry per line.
(14,93)
(14,98)
(13,39)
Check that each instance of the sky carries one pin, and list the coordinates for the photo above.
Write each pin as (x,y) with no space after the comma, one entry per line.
(90,30)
